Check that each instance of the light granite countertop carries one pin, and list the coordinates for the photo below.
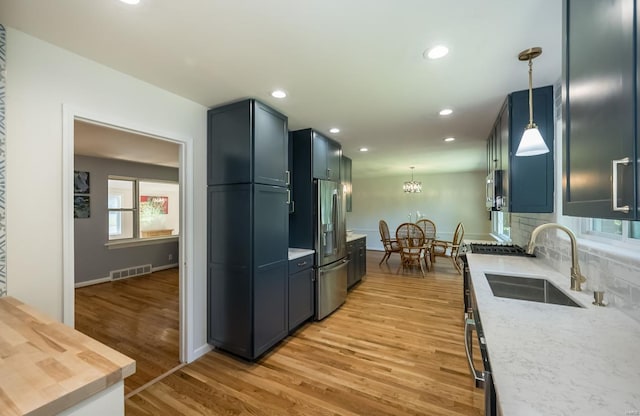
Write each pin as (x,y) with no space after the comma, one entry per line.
(352,237)
(296,253)
(556,360)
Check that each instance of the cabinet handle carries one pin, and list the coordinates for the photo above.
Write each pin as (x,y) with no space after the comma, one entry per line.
(329,173)
(288,197)
(304,263)
(288,173)
(614,164)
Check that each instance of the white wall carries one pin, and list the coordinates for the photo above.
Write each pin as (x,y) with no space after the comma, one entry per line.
(445,199)
(40,79)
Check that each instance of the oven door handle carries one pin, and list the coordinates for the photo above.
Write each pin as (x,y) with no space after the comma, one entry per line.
(478,376)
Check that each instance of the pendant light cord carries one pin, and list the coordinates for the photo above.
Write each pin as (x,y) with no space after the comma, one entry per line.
(530,93)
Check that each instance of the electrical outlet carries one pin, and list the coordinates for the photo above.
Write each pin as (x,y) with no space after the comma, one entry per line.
(170,257)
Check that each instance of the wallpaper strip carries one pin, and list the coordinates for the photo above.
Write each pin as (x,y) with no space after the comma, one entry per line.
(3,158)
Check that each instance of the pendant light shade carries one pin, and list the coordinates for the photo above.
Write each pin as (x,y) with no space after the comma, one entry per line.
(531,143)
(412,186)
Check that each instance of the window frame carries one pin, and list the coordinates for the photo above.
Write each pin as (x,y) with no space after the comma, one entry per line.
(136,238)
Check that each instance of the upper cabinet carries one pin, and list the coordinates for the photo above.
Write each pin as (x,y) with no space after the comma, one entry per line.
(601,114)
(326,157)
(345,178)
(527,182)
(250,145)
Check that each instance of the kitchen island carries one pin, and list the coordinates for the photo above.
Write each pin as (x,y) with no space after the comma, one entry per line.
(551,359)
(48,368)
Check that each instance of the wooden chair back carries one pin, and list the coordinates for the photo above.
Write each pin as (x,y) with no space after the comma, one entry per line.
(409,234)
(428,228)
(384,233)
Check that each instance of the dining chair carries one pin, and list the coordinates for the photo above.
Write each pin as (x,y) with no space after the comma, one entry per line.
(390,244)
(411,240)
(451,248)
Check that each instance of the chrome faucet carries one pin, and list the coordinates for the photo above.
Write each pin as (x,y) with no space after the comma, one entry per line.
(576,277)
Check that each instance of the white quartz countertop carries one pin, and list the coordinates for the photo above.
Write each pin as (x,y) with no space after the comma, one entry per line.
(556,360)
(296,253)
(351,237)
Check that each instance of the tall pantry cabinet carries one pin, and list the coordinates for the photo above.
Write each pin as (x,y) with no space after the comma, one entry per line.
(248,228)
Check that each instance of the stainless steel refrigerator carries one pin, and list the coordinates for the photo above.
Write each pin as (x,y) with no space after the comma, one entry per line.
(331,247)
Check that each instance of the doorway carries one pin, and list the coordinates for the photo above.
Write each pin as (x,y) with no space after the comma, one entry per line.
(172,281)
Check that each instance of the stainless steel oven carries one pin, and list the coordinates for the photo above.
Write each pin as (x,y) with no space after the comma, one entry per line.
(473,324)
(482,377)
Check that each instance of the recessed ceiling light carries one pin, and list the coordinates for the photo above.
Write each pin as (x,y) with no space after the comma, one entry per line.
(446,111)
(278,94)
(334,130)
(364,149)
(130,1)
(449,139)
(437,52)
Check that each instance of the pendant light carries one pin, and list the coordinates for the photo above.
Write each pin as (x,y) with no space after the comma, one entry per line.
(412,186)
(532,143)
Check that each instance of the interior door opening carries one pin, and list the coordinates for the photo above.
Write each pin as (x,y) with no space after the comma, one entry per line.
(128,292)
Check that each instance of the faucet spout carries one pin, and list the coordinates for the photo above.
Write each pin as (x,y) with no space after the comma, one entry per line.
(576,276)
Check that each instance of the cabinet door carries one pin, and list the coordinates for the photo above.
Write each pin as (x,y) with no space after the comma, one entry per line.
(345,173)
(351,266)
(320,150)
(334,156)
(270,146)
(362,258)
(300,297)
(531,178)
(270,305)
(270,265)
(600,113)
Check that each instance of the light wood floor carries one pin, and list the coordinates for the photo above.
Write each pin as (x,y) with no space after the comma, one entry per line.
(137,317)
(394,348)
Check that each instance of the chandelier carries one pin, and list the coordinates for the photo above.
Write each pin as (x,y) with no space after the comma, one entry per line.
(412,186)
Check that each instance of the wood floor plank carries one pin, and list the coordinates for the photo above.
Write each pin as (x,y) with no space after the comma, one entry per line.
(396,347)
(137,317)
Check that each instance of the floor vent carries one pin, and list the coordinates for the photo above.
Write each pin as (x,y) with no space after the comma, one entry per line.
(130,272)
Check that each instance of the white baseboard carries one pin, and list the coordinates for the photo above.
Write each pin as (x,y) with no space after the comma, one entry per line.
(199,352)
(165,267)
(93,282)
(108,279)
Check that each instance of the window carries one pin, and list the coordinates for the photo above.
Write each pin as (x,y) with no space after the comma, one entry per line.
(142,209)
(597,228)
(501,224)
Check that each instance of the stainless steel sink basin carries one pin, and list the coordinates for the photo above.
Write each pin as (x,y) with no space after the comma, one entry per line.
(527,288)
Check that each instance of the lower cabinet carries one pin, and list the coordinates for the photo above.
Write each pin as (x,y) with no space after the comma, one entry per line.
(301,279)
(357,256)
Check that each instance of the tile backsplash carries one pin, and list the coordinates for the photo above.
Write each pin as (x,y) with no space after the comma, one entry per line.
(617,274)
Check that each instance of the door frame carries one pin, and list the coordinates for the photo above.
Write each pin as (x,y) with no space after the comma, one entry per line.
(69,115)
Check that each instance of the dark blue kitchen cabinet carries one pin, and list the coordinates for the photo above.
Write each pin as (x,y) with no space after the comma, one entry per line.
(527,182)
(301,279)
(600,72)
(326,156)
(248,267)
(247,142)
(531,178)
(247,228)
(307,155)
(357,256)
(345,178)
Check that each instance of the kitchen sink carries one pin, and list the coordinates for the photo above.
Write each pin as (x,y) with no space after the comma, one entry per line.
(528,288)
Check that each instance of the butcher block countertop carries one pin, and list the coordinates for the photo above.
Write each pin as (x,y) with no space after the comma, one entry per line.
(46,366)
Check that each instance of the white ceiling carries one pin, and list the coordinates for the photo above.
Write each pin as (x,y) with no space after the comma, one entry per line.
(355,64)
